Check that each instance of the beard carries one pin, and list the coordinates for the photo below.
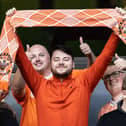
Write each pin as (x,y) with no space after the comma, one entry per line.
(63,75)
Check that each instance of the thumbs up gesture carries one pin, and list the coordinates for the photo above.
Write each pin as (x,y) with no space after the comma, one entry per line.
(85,48)
(28,53)
(120,62)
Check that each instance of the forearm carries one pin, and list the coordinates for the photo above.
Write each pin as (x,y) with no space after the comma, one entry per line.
(107,53)
(91,58)
(18,85)
(102,61)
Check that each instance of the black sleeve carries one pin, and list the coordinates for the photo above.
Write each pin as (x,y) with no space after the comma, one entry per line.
(100,122)
(7,118)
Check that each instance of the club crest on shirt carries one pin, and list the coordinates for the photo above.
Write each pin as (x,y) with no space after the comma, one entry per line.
(5,61)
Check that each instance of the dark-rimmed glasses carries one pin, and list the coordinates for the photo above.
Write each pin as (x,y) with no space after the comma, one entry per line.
(113,75)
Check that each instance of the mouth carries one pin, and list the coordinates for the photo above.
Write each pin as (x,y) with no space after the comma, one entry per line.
(114,83)
(62,67)
(38,64)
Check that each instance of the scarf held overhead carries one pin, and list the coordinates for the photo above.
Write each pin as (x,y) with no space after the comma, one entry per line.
(111,18)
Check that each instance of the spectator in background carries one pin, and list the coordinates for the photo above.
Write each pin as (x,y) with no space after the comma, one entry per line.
(7,115)
(113,84)
(117,117)
(40,59)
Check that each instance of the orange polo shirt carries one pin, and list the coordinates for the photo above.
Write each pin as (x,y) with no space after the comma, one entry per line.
(29,113)
(65,103)
(28,104)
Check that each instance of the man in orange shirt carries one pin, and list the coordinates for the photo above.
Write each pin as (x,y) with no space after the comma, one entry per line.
(64,100)
(40,60)
(39,57)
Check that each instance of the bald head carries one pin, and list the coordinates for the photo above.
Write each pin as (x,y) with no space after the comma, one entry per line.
(38,47)
(40,58)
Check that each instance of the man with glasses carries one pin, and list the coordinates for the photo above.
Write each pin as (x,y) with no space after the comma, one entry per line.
(112,78)
(118,116)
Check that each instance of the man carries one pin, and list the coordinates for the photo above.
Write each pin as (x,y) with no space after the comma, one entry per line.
(114,86)
(118,116)
(40,59)
(64,100)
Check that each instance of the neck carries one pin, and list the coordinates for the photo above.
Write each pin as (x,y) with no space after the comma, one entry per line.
(45,73)
(117,97)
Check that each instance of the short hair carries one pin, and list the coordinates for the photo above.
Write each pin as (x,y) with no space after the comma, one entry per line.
(62,48)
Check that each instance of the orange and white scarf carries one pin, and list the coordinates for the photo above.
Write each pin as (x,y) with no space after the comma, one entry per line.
(111,18)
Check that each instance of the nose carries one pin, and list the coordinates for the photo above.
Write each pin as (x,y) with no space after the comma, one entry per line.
(37,58)
(61,62)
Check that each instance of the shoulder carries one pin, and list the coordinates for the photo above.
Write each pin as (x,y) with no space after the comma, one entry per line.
(5,108)
(106,106)
(78,72)
(108,118)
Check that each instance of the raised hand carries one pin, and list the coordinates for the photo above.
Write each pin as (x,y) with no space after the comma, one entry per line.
(28,53)
(11,12)
(120,62)
(85,48)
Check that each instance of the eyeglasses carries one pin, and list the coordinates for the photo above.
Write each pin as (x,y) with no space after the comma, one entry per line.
(113,75)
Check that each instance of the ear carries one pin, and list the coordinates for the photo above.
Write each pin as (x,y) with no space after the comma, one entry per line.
(73,65)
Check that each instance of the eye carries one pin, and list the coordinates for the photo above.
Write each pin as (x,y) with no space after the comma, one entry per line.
(56,59)
(41,54)
(32,56)
(66,58)
(106,77)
